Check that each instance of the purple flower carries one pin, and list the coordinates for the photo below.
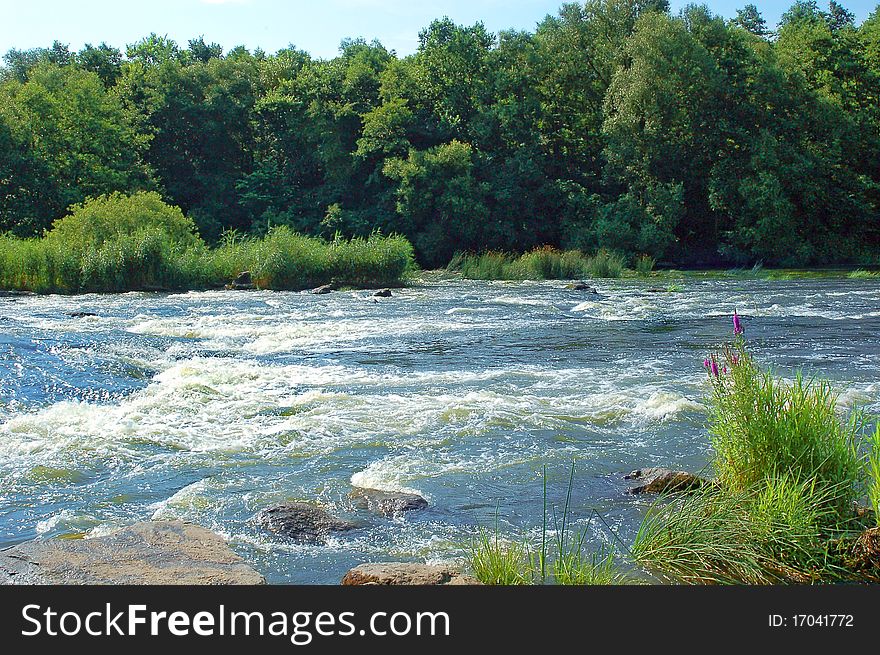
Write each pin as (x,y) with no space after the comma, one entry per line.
(714,368)
(734,360)
(706,363)
(737,326)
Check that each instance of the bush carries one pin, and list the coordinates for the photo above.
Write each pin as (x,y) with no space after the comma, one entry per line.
(105,218)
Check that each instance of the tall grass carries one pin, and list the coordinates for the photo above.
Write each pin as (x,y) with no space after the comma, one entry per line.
(772,532)
(873,466)
(763,427)
(150,259)
(790,470)
(540,264)
(862,274)
(499,561)
(644,265)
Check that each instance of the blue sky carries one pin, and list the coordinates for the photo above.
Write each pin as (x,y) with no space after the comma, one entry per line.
(317,26)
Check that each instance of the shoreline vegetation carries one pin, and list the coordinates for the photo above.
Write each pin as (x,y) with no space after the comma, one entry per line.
(787,505)
(621,125)
(122,243)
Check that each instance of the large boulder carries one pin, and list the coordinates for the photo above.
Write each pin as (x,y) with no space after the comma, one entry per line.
(382,293)
(387,503)
(149,553)
(303,522)
(402,573)
(661,480)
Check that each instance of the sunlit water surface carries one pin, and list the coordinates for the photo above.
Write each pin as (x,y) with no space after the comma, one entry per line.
(211,406)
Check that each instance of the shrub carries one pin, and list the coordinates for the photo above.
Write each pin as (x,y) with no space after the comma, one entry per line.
(644,264)
(107,217)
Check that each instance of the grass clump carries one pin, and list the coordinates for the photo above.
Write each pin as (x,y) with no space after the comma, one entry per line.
(790,471)
(125,243)
(862,274)
(644,265)
(498,562)
(540,264)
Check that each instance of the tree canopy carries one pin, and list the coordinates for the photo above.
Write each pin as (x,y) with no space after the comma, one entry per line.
(615,123)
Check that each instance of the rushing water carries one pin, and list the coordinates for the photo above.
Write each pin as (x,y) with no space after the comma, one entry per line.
(211,406)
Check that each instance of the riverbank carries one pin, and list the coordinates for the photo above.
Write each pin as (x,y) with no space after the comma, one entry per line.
(122,243)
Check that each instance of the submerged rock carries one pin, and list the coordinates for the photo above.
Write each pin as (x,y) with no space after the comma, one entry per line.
(302,522)
(382,293)
(387,503)
(402,573)
(81,314)
(660,480)
(152,552)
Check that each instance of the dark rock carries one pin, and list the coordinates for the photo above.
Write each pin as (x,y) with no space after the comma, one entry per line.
(388,503)
(242,282)
(151,288)
(382,293)
(657,290)
(324,288)
(581,286)
(81,314)
(16,294)
(302,522)
(401,573)
(153,552)
(661,480)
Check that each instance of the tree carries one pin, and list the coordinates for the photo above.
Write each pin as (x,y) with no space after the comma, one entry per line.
(440,202)
(104,61)
(75,134)
(751,20)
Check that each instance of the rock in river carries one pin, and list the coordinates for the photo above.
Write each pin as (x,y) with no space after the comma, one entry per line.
(324,288)
(402,573)
(661,480)
(388,503)
(382,293)
(581,286)
(302,522)
(153,552)
(243,282)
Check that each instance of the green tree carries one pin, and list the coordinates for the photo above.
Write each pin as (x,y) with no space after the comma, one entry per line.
(75,134)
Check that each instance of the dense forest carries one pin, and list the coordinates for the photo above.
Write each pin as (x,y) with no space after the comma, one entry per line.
(615,124)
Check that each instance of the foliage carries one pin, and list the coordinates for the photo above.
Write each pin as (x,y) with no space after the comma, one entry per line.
(790,470)
(613,124)
(122,243)
(540,264)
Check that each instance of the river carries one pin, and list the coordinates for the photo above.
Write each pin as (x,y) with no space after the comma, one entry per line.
(211,406)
